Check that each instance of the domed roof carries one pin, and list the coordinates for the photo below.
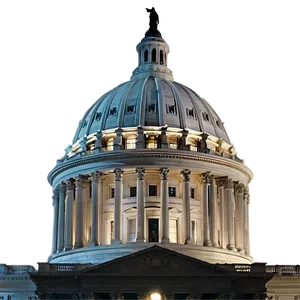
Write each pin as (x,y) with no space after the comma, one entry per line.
(151,101)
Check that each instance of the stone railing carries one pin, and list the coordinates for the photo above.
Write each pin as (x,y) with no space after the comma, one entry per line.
(279,270)
(95,151)
(16,269)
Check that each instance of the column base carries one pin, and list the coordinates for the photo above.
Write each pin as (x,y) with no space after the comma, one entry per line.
(140,240)
(116,242)
(93,244)
(76,246)
(231,247)
(165,240)
(189,242)
(67,248)
(242,251)
(216,245)
(207,243)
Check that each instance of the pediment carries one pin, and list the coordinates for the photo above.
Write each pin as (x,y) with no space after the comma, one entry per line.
(157,261)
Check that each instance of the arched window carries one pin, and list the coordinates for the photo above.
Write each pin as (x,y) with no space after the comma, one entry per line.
(130,142)
(110,144)
(151,142)
(161,57)
(154,55)
(146,56)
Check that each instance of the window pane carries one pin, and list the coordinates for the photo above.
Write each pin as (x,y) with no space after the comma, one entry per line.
(172,191)
(112,193)
(192,193)
(133,191)
(152,190)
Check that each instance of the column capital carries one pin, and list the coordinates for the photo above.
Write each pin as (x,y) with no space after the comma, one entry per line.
(95,177)
(239,188)
(185,174)
(221,181)
(228,184)
(70,184)
(163,172)
(62,188)
(140,172)
(118,174)
(207,178)
(247,197)
(79,182)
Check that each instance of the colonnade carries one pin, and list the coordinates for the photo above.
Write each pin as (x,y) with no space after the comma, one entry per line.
(224,205)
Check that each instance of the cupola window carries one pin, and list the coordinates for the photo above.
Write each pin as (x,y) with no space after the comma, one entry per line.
(110,144)
(161,57)
(191,113)
(146,56)
(151,142)
(154,55)
(152,108)
(130,109)
(130,142)
(98,116)
(113,111)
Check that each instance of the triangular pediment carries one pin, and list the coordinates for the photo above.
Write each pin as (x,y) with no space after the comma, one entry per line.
(157,260)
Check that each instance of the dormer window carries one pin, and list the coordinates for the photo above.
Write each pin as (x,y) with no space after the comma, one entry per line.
(130,109)
(171,109)
(191,113)
(205,116)
(98,116)
(152,108)
(113,111)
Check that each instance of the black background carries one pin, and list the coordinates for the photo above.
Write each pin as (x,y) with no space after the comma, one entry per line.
(243,55)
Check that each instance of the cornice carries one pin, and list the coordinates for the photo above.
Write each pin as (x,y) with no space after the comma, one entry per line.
(123,155)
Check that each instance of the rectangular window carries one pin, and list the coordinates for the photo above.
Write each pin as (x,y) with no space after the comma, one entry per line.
(172,191)
(193,229)
(133,191)
(131,230)
(153,230)
(152,190)
(112,192)
(192,193)
(173,230)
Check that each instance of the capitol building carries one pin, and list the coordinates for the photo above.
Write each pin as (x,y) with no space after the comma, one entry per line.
(151,201)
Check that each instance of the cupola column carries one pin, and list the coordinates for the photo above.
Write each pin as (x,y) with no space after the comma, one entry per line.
(229,196)
(164,204)
(213,210)
(79,213)
(69,215)
(246,223)
(140,225)
(206,179)
(118,206)
(61,217)
(239,205)
(185,174)
(55,203)
(95,178)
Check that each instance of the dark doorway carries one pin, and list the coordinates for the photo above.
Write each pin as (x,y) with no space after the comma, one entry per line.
(153,230)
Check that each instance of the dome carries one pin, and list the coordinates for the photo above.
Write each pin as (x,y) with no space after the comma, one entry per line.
(150,162)
(151,101)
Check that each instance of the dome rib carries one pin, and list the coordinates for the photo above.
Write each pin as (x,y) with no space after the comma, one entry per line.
(179,104)
(196,107)
(140,117)
(160,102)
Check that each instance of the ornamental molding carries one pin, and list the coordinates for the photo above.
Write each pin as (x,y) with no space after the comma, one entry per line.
(186,175)
(221,181)
(158,154)
(229,184)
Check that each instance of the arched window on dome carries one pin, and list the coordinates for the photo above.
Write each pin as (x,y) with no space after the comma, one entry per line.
(173,141)
(151,142)
(161,57)
(153,55)
(131,142)
(110,144)
(146,56)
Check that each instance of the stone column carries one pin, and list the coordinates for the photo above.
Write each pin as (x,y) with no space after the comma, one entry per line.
(79,213)
(140,226)
(100,209)
(118,206)
(206,179)
(95,178)
(69,215)
(55,220)
(214,213)
(185,174)
(246,223)
(221,183)
(164,196)
(239,223)
(61,217)
(230,205)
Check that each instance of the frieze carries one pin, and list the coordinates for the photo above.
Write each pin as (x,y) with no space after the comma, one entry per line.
(185,174)
(121,155)
(164,173)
